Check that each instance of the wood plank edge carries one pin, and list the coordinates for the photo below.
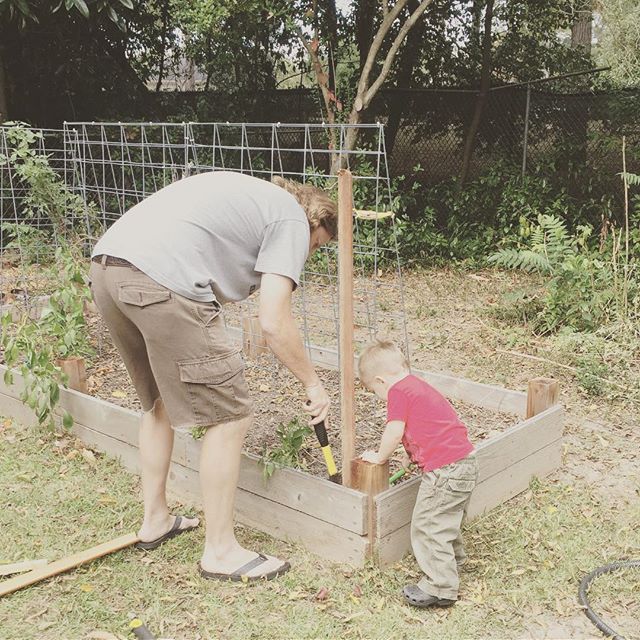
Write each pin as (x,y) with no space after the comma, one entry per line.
(553,446)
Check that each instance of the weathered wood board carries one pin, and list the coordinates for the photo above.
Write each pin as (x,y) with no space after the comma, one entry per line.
(477,393)
(506,465)
(329,519)
(326,517)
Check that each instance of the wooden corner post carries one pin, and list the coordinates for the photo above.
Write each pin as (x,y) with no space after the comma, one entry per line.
(371,479)
(345,340)
(541,394)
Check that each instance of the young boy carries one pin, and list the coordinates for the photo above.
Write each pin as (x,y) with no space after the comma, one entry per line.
(434,439)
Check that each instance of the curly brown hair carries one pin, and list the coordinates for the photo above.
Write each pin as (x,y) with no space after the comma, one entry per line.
(321,210)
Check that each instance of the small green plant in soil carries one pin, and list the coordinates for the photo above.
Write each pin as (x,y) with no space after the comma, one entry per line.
(291,438)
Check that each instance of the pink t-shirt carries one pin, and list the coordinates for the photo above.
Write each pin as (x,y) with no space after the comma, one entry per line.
(433,434)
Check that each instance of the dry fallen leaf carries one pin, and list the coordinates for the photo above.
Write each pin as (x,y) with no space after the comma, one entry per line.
(118,393)
(323,594)
(88,456)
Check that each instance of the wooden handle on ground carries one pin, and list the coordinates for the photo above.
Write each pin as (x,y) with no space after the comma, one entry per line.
(64,564)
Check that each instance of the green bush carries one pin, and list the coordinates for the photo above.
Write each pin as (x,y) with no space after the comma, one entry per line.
(586,285)
(32,346)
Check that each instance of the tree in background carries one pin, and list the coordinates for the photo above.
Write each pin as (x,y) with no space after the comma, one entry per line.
(53,57)
(377,63)
(619,40)
(64,65)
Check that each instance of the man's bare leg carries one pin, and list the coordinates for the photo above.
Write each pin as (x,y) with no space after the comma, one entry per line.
(156,445)
(219,471)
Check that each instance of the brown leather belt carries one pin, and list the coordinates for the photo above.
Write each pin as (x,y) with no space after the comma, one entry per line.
(112,261)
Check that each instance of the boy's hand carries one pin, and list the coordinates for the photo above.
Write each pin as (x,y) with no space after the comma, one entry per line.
(405,461)
(371,456)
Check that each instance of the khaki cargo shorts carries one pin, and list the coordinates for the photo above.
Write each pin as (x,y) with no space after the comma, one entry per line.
(174,348)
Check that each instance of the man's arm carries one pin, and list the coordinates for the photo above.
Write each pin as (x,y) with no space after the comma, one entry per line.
(283,337)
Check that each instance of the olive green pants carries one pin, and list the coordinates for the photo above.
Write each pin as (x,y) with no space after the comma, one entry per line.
(436,539)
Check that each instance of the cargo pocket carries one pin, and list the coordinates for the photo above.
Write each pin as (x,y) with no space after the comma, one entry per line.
(140,295)
(217,388)
(464,486)
(462,477)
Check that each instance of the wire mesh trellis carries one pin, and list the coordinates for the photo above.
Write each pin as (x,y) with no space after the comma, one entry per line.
(17,212)
(113,166)
(118,164)
(31,160)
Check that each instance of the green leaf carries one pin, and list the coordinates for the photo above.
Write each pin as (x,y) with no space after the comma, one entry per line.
(113,16)
(127,3)
(67,420)
(8,377)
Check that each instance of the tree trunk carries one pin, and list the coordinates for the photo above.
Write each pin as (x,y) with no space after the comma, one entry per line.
(332,31)
(163,53)
(365,14)
(577,132)
(406,67)
(190,78)
(581,31)
(4,91)
(483,95)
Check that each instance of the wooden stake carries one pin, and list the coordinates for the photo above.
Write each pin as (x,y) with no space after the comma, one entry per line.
(21,567)
(542,394)
(65,564)
(253,342)
(345,343)
(371,479)
(75,369)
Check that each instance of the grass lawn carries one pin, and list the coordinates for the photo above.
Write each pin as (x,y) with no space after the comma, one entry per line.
(526,558)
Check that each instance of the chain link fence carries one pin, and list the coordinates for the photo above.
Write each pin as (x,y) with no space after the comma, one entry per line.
(557,128)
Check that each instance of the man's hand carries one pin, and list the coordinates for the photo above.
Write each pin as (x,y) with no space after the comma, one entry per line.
(371,456)
(318,403)
(405,461)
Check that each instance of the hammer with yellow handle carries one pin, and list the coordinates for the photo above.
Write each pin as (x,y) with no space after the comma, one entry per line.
(323,439)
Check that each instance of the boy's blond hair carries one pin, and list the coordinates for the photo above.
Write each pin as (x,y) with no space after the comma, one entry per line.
(321,210)
(381,357)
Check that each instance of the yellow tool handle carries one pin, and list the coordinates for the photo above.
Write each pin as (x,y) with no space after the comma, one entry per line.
(328,458)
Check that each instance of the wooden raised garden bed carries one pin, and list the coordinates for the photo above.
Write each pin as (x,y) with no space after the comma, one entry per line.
(338,523)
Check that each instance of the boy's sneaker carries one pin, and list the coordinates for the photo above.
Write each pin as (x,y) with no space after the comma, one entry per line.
(416,597)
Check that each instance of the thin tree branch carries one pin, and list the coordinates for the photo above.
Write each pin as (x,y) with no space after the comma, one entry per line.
(383,29)
(526,356)
(388,61)
(321,76)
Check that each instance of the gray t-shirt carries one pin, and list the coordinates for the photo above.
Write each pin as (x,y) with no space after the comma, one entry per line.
(212,234)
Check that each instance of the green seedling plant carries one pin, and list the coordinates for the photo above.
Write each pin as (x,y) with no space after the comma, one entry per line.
(33,346)
(291,438)
(25,351)
(25,240)
(63,320)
